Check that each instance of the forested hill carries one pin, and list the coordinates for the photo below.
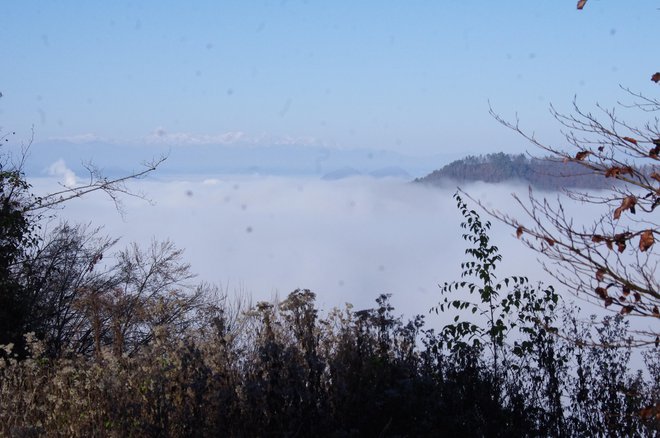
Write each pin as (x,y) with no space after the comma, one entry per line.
(500,167)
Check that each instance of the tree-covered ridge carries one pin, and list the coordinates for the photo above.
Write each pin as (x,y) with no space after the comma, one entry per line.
(499,167)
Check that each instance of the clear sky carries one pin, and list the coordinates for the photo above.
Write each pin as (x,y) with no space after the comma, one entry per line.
(414,76)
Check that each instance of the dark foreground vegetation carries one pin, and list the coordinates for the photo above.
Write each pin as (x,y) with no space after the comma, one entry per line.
(280,370)
(98,342)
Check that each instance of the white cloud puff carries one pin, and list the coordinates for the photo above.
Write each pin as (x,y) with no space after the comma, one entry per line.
(60,170)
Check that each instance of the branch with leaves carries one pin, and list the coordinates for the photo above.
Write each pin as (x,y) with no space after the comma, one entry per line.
(612,260)
(508,304)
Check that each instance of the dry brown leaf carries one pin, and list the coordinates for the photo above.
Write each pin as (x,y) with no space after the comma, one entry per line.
(638,297)
(612,172)
(625,310)
(628,203)
(550,241)
(581,3)
(597,238)
(626,291)
(630,140)
(615,171)
(653,153)
(646,240)
(600,274)
(626,170)
(655,176)
(656,312)
(582,155)
(617,213)
(621,245)
(601,292)
(656,77)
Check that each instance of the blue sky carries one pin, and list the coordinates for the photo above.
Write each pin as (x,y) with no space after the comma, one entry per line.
(413,76)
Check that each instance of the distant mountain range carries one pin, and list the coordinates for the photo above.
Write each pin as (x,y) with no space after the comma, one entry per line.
(383,172)
(545,174)
(308,161)
(284,160)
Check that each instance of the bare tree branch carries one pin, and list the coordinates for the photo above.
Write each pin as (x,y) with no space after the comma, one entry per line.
(613,259)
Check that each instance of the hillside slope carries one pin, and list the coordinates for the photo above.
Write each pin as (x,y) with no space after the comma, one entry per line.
(500,167)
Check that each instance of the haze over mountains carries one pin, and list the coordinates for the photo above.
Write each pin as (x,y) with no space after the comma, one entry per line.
(62,158)
(236,159)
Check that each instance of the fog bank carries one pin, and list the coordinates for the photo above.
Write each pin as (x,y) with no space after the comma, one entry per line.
(347,240)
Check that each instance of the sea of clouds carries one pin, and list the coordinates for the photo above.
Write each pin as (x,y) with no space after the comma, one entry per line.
(347,240)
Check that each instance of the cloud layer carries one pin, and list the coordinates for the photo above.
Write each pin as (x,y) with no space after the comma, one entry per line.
(347,240)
